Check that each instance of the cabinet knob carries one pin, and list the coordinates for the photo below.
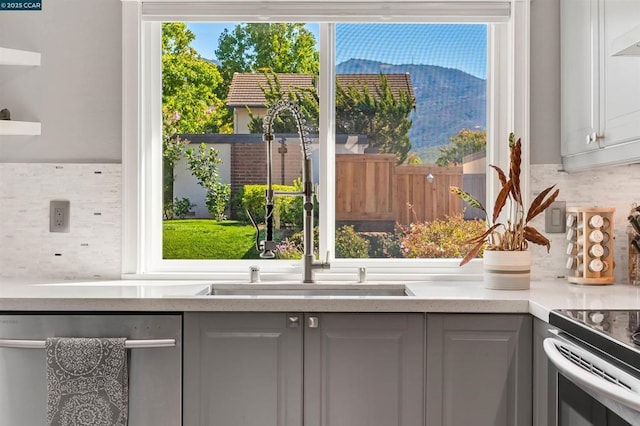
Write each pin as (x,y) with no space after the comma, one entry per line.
(313,322)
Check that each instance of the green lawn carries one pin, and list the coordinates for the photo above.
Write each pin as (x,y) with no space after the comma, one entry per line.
(207,239)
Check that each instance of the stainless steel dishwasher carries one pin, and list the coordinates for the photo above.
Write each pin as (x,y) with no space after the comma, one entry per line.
(154,343)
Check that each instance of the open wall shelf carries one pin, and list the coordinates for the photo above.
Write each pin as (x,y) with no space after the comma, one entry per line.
(18,57)
(21,128)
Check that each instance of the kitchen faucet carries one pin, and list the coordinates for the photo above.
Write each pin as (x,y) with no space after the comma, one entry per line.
(267,247)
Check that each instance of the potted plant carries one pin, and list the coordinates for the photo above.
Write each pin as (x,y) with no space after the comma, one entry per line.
(507,261)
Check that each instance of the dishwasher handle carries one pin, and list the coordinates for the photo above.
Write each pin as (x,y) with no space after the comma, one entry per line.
(128,344)
(592,372)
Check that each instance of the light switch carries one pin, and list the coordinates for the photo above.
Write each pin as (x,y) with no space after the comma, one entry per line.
(555,217)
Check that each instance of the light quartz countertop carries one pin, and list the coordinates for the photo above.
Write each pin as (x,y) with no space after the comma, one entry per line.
(432,296)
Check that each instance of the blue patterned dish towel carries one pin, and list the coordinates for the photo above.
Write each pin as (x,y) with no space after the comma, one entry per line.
(87,382)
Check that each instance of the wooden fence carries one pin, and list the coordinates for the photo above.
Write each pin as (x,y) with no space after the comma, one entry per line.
(417,199)
(370,187)
(365,187)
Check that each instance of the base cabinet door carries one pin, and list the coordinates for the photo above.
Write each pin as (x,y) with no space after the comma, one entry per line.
(364,370)
(242,369)
(478,370)
(276,369)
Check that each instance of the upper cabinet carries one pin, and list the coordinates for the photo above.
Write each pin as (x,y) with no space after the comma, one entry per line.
(20,58)
(600,83)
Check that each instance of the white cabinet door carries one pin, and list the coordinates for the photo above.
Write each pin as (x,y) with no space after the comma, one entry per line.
(620,105)
(580,75)
(600,92)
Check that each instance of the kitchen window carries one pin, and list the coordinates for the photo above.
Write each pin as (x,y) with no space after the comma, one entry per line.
(505,28)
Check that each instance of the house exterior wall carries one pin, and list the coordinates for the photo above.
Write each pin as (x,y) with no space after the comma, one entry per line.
(186,185)
(241,118)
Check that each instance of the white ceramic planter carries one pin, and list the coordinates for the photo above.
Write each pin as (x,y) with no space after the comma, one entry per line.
(507,270)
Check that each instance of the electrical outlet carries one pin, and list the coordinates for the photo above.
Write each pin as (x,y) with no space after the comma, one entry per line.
(59,216)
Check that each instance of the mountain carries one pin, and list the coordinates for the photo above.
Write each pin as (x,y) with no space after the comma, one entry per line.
(447,100)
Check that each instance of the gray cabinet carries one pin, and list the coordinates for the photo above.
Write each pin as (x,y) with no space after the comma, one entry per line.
(600,90)
(545,379)
(242,369)
(478,370)
(365,370)
(325,369)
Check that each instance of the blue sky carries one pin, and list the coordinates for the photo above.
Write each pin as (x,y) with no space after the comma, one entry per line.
(447,45)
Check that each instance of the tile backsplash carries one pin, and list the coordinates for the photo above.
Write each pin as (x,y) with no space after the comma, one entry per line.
(92,247)
(604,187)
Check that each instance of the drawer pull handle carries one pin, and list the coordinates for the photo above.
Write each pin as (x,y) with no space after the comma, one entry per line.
(128,344)
(314,322)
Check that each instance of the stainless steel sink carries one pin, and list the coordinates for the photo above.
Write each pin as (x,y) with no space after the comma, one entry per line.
(296,289)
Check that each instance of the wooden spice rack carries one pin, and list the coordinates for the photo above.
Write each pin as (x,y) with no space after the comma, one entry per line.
(590,245)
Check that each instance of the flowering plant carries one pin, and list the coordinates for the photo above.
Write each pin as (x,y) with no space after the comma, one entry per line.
(516,233)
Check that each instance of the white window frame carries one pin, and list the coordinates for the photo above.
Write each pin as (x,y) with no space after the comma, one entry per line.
(507,110)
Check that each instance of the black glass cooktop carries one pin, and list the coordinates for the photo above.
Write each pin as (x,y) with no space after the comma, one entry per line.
(615,333)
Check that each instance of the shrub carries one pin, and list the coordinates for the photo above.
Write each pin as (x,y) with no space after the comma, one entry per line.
(204,167)
(293,247)
(441,238)
(288,210)
(181,207)
(289,249)
(167,209)
(254,200)
(236,207)
(349,244)
(217,199)
(384,244)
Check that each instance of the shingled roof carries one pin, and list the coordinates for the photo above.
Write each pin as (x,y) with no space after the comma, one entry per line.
(245,89)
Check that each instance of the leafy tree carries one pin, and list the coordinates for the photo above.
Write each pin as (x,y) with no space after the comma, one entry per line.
(391,123)
(414,159)
(383,117)
(306,99)
(172,149)
(465,142)
(189,84)
(276,47)
(204,166)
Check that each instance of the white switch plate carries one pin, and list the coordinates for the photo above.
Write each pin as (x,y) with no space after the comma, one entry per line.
(555,217)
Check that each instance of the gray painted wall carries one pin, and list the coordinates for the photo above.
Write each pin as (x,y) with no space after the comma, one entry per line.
(76,93)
